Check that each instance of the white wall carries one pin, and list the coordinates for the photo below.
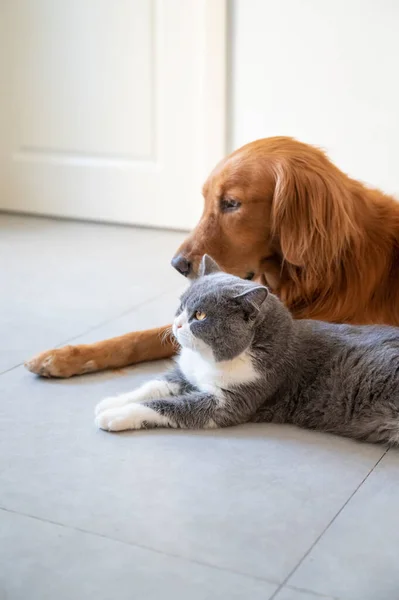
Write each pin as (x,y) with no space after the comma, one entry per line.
(323,71)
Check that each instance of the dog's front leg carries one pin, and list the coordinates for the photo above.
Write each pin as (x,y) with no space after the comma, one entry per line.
(114,353)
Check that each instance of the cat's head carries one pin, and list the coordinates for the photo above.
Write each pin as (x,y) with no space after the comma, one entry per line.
(218,313)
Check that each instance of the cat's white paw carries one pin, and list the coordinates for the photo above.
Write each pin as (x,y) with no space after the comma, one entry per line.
(112,420)
(131,416)
(113,402)
(150,390)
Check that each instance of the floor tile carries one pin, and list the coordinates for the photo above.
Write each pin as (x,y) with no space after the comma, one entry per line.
(287,593)
(251,499)
(357,558)
(62,278)
(42,561)
(153,313)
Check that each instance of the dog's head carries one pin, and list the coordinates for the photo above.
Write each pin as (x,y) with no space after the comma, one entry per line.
(235,225)
(273,208)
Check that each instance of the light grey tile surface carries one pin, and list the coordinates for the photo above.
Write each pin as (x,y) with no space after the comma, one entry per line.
(42,561)
(287,593)
(60,278)
(250,498)
(357,558)
(153,313)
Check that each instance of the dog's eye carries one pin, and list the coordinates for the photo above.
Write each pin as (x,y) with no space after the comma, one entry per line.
(229,204)
(200,316)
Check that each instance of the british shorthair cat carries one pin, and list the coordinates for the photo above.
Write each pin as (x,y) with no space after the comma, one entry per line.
(244,358)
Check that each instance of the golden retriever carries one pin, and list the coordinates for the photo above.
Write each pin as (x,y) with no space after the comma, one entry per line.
(277,210)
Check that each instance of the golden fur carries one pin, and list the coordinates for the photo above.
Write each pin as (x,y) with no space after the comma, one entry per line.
(325,243)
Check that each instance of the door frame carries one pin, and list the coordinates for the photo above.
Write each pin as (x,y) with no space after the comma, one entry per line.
(214,101)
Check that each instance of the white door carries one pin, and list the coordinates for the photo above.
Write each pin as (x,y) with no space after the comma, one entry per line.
(113,109)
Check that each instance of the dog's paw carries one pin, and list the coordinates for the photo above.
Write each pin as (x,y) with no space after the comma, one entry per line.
(60,362)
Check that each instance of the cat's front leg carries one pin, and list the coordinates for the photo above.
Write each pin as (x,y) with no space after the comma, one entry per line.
(132,416)
(151,390)
(195,410)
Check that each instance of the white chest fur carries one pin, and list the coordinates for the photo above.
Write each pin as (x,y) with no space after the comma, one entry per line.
(214,377)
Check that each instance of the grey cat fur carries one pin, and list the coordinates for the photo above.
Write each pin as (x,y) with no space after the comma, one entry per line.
(337,378)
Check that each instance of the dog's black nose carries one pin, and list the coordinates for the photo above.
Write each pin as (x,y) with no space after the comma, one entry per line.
(181,264)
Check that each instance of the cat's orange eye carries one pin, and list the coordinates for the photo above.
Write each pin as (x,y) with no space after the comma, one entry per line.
(199,315)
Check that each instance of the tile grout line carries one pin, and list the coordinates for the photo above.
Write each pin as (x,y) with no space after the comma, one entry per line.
(318,538)
(136,545)
(97,326)
(11,369)
(119,316)
(317,595)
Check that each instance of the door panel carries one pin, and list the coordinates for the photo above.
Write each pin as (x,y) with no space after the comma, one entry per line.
(107,110)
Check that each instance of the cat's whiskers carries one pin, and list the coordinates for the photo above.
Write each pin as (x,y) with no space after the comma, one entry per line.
(168,335)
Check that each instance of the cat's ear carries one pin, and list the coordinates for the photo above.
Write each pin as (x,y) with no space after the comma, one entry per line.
(253,297)
(207,266)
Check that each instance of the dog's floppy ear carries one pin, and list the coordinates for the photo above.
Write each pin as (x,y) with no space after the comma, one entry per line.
(312,213)
(252,298)
(207,266)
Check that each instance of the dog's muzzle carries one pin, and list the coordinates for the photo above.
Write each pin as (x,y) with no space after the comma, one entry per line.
(182,265)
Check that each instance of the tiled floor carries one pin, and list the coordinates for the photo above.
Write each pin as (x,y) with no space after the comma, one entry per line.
(253,512)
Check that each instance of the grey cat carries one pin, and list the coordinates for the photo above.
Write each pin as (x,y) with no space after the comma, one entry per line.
(244,358)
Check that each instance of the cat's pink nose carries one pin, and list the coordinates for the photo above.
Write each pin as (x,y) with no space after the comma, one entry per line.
(179,326)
